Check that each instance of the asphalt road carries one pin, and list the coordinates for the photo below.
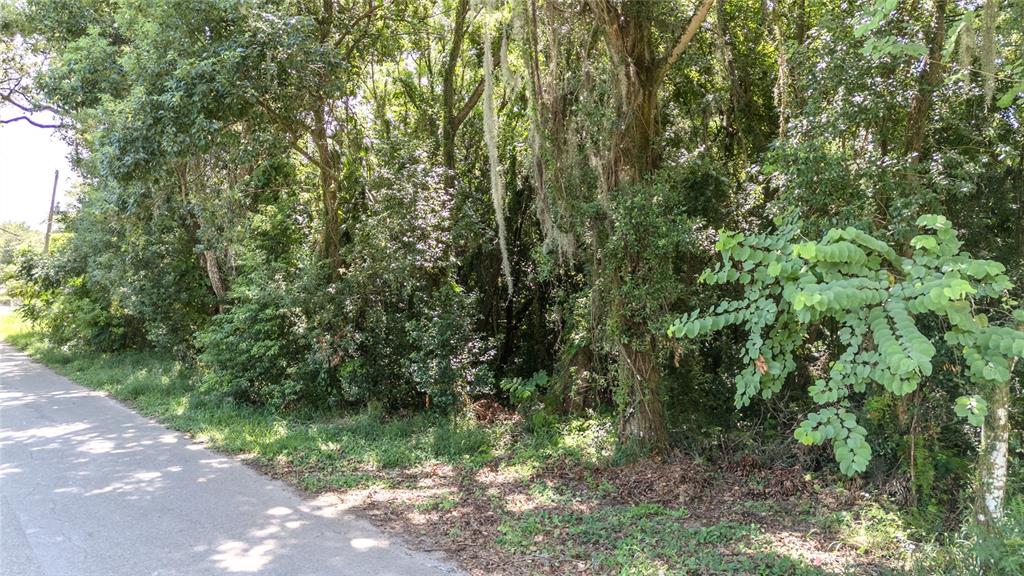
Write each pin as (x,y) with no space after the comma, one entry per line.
(90,488)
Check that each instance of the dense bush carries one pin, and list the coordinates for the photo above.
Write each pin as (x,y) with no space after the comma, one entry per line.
(54,294)
(261,350)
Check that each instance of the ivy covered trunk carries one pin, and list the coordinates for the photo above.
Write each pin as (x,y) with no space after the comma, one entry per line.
(995,443)
(642,422)
(632,157)
(637,70)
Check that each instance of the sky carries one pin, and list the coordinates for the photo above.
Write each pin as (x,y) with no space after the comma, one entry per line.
(28,157)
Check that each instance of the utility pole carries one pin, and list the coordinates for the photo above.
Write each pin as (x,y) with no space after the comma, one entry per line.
(49,219)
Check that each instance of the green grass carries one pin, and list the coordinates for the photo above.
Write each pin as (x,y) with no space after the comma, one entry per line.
(647,539)
(872,527)
(13,327)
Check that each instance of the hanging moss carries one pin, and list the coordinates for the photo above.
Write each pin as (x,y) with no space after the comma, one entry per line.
(988,48)
(968,45)
(491,138)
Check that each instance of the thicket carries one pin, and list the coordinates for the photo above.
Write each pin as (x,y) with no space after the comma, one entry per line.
(421,205)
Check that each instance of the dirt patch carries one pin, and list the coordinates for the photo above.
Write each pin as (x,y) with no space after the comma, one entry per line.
(461,511)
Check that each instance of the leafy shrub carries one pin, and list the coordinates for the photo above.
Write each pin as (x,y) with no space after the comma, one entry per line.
(996,550)
(259,350)
(447,357)
(56,298)
(1000,549)
(524,390)
(391,328)
(871,297)
(405,330)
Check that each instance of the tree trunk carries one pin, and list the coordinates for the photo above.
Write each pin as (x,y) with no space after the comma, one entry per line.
(642,422)
(637,74)
(451,119)
(929,81)
(734,108)
(995,440)
(448,127)
(217,282)
(330,233)
(782,83)
(633,158)
(206,259)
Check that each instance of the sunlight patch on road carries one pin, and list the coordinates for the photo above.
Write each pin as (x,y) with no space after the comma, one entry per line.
(42,432)
(97,446)
(7,469)
(363,544)
(236,556)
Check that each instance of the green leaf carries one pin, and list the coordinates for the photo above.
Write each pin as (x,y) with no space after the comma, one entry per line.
(692,329)
(926,242)
(934,221)
(958,289)
(1010,95)
(805,250)
(972,408)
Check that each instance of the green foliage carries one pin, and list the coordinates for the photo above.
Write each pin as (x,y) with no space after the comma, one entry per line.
(871,299)
(16,237)
(648,539)
(522,391)
(53,295)
(260,352)
(297,195)
(996,550)
(1000,549)
(972,408)
(642,255)
(873,526)
(394,329)
(331,448)
(446,358)
(881,45)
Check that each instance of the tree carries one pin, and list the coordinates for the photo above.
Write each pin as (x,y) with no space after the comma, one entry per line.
(332,202)
(15,89)
(638,70)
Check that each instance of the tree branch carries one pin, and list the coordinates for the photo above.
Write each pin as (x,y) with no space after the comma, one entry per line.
(610,17)
(689,32)
(29,108)
(350,26)
(31,121)
(467,107)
